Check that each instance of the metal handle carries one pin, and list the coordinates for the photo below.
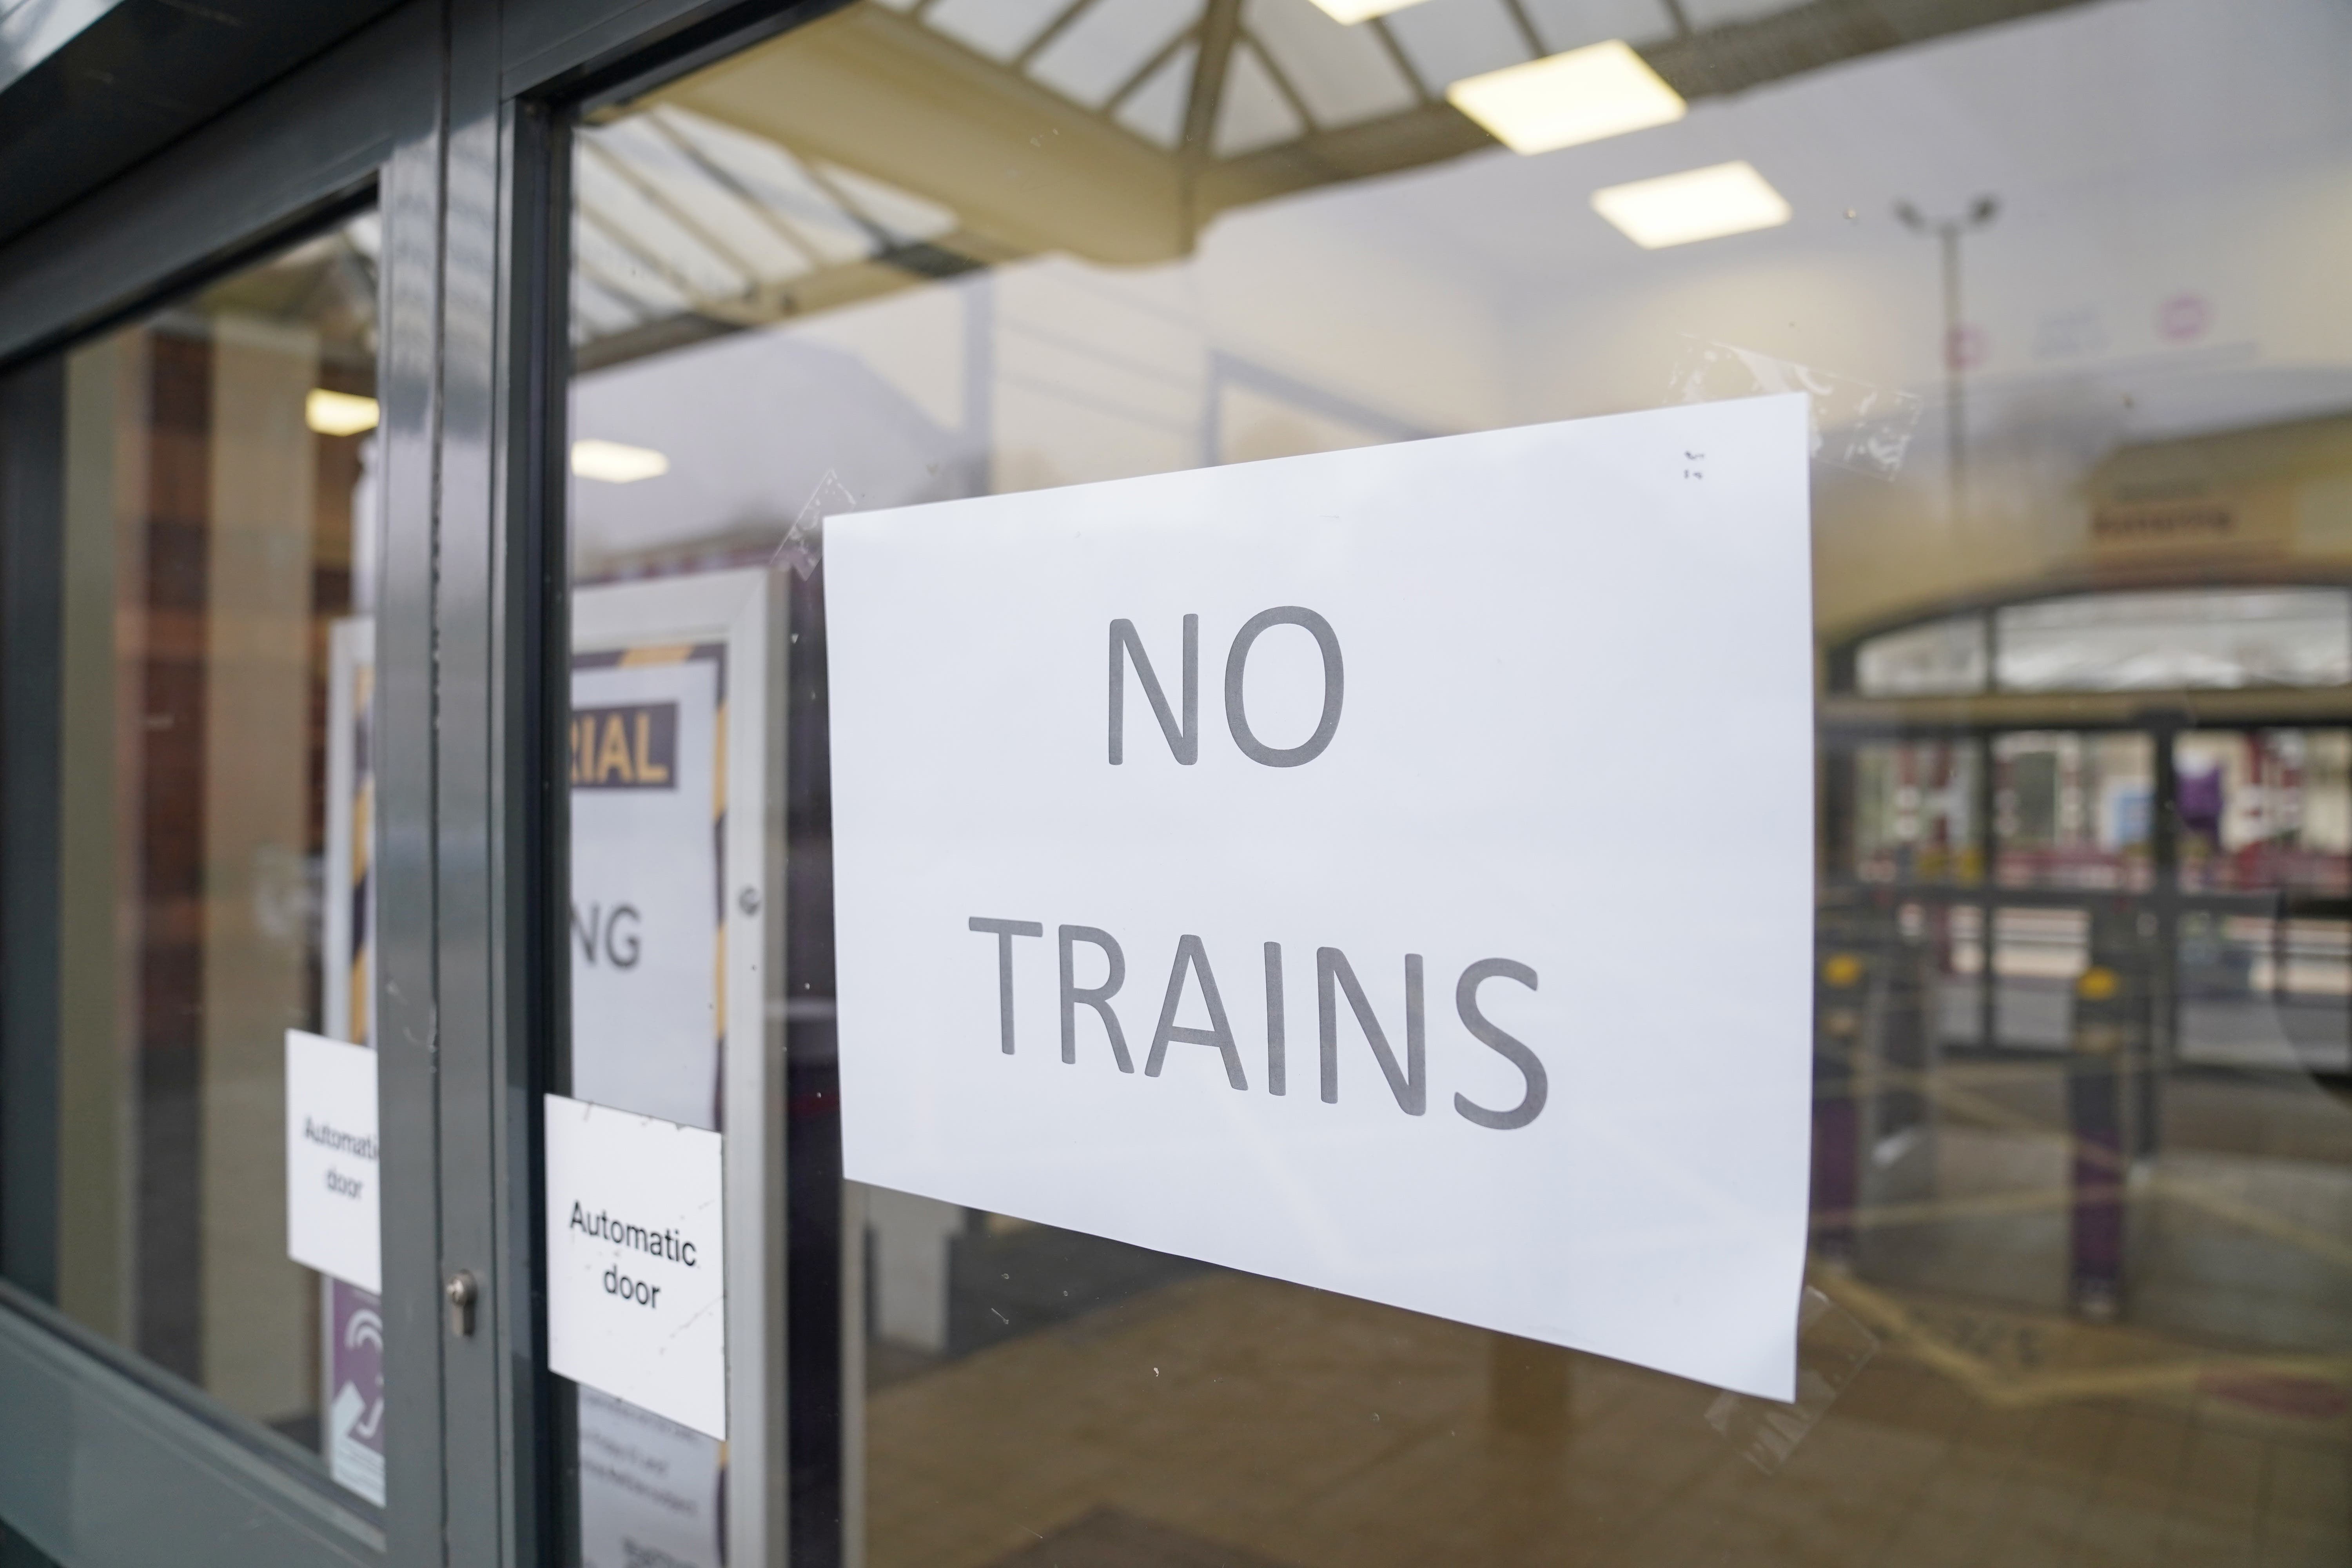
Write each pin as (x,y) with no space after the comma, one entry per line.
(462,1292)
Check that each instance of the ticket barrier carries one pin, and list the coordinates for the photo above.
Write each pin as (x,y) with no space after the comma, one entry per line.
(2107,1053)
(1873,1044)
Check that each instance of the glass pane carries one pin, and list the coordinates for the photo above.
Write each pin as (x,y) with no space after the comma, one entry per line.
(219,505)
(2140,642)
(1914,808)
(2073,810)
(1939,658)
(2265,994)
(2075,1293)
(2038,955)
(1958,935)
(2265,809)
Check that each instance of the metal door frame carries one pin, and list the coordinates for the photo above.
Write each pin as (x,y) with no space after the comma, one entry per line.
(516,79)
(107,1461)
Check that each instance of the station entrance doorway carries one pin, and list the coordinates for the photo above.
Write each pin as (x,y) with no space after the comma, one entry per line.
(2085,1007)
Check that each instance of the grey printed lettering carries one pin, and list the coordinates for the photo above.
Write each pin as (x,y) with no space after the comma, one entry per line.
(1237,666)
(1191,955)
(1276,1078)
(1333,975)
(1096,996)
(1183,740)
(1465,1002)
(1005,932)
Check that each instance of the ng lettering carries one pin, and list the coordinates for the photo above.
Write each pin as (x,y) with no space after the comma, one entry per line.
(605,932)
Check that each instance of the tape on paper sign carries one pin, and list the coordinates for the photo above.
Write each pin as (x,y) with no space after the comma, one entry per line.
(1856,425)
(1295,866)
(636,1265)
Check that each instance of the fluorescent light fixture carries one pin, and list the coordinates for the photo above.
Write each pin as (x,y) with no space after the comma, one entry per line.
(338,413)
(1361,10)
(1605,89)
(1698,203)
(616,464)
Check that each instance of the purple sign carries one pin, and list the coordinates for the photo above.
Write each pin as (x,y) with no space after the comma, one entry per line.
(356,1389)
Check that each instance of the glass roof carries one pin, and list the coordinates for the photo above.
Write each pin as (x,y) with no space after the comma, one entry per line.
(726,206)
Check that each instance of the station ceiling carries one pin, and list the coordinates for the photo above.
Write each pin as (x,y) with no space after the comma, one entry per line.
(902,140)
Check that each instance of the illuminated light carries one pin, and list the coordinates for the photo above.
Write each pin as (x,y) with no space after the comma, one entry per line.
(1361,10)
(616,464)
(1698,203)
(339,413)
(1605,89)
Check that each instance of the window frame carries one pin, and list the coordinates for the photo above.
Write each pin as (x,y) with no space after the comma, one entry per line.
(111,1461)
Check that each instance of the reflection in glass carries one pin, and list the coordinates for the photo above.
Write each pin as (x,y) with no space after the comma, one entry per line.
(2066,1179)
(218,469)
(1915,813)
(2266,808)
(1941,657)
(2177,640)
(2073,810)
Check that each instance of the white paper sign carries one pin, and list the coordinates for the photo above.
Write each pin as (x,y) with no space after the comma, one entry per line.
(645,901)
(333,1213)
(636,1267)
(1435,924)
(649,1491)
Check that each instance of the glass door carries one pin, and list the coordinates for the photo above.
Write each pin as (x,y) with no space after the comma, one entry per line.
(2073,1281)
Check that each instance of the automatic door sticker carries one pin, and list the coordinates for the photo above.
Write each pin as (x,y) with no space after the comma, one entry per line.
(333,1217)
(636,1267)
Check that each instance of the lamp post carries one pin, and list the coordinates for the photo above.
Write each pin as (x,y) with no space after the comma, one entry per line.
(1947,232)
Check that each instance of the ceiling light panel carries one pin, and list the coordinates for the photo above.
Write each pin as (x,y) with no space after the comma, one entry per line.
(1361,10)
(339,413)
(1700,204)
(616,463)
(1584,95)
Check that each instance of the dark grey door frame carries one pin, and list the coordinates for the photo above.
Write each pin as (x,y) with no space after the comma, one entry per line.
(515,76)
(102,1461)
(451,113)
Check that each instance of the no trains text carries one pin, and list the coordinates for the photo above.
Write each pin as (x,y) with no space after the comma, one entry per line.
(1335,978)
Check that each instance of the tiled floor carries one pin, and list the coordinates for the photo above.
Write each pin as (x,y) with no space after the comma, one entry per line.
(1226,1418)
(1286,1426)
